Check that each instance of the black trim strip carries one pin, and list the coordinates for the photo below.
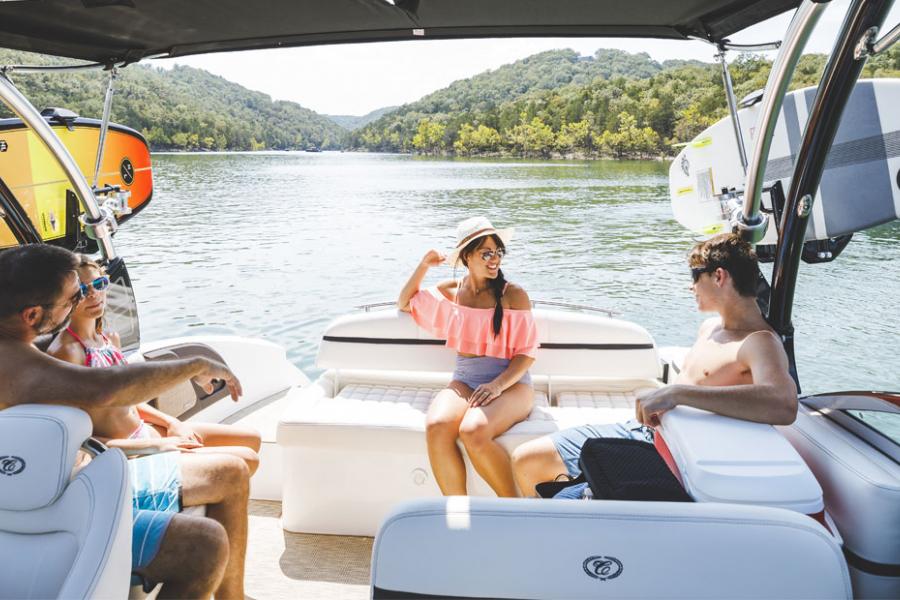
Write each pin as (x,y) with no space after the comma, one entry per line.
(417,342)
(382,594)
(368,340)
(559,346)
(13,124)
(872,568)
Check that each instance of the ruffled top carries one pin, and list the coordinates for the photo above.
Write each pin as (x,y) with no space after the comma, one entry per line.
(469,330)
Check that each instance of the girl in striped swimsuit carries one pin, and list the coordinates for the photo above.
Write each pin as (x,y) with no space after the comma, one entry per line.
(140,428)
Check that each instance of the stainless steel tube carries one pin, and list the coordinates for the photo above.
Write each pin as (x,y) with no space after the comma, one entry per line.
(751,224)
(732,108)
(26,111)
(104,124)
(51,68)
(889,39)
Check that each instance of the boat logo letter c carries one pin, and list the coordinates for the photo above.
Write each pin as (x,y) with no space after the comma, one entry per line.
(11,465)
(3,146)
(602,567)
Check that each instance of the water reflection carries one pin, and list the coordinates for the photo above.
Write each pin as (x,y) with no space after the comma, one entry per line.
(277,244)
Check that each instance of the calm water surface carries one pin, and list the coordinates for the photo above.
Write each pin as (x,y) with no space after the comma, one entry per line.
(276,245)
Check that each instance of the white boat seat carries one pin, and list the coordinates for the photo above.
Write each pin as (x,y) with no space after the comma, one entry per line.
(462,547)
(365,416)
(60,536)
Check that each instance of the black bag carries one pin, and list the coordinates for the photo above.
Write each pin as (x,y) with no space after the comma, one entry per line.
(625,469)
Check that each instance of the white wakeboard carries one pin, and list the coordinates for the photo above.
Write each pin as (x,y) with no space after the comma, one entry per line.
(860,185)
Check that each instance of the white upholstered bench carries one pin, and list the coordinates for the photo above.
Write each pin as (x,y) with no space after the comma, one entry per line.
(354,440)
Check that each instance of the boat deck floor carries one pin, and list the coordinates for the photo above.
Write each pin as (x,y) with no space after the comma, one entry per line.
(281,564)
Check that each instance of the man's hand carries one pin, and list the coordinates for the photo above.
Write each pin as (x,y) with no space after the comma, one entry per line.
(484,394)
(182,430)
(213,371)
(651,403)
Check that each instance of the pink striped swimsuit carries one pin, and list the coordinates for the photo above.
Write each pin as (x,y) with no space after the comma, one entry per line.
(106,355)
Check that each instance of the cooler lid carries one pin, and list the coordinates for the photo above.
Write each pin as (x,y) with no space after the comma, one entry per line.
(729,460)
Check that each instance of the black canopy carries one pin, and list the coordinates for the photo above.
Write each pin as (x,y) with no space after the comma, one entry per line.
(119,30)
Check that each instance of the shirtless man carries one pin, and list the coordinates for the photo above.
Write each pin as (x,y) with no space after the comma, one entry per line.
(737,367)
(39,288)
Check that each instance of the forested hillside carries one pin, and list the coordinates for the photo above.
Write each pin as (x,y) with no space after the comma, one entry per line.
(351,122)
(557,103)
(181,109)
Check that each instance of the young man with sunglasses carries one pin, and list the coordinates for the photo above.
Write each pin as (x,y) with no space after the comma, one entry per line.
(39,290)
(737,367)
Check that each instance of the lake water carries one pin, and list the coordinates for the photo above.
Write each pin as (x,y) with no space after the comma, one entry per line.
(275,245)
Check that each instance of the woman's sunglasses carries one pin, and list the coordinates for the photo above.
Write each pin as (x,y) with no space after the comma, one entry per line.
(99,284)
(490,254)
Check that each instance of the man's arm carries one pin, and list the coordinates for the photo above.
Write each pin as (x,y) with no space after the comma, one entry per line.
(42,379)
(770,399)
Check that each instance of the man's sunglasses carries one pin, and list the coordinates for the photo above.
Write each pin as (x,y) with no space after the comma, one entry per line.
(696,272)
(99,284)
(490,254)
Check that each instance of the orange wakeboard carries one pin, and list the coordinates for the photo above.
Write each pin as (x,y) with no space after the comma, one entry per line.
(41,187)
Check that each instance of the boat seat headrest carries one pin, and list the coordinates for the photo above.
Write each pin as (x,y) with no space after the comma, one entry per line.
(38,448)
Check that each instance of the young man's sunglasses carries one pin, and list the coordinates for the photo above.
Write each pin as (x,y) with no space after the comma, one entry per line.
(99,284)
(490,254)
(696,272)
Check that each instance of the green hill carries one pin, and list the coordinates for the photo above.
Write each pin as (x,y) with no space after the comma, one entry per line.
(557,103)
(351,122)
(182,108)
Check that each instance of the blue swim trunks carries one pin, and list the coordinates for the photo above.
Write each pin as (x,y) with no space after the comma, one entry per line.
(155,499)
(156,482)
(568,442)
(149,527)
(477,370)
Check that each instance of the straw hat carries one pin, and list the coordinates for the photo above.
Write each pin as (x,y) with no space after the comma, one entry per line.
(472,229)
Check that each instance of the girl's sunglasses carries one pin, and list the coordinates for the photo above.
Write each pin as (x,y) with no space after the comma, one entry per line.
(99,284)
(490,254)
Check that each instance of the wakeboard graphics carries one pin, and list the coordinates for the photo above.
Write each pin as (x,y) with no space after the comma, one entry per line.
(860,184)
(40,185)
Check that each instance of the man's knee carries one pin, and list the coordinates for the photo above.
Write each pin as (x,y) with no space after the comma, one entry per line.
(212,537)
(194,551)
(234,472)
(534,453)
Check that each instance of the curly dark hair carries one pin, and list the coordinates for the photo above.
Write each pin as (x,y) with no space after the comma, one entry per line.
(32,275)
(730,252)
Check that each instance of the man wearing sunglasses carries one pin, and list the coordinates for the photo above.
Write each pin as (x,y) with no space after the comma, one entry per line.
(737,368)
(39,289)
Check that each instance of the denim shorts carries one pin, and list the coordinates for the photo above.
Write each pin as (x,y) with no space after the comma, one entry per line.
(477,370)
(568,442)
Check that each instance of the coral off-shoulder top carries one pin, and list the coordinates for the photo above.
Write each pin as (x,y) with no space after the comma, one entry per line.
(469,331)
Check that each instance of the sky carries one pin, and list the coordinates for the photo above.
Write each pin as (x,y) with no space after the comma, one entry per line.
(354,79)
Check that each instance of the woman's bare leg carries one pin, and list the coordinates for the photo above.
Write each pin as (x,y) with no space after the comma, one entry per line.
(481,425)
(441,430)
(242,442)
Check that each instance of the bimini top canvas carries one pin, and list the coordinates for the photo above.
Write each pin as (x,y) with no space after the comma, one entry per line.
(129,30)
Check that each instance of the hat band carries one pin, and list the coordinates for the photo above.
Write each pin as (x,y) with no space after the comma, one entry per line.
(463,242)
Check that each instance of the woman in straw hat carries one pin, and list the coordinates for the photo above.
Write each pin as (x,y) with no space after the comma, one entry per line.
(488,322)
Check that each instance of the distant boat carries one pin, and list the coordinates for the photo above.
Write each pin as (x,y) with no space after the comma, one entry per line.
(313,148)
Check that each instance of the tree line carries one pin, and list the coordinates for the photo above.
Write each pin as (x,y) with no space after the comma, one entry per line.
(178,109)
(643,114)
